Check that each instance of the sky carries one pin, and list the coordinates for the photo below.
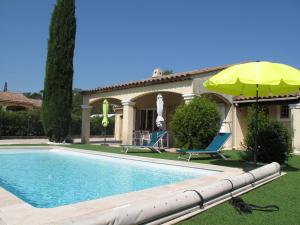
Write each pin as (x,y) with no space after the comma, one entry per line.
(119,41)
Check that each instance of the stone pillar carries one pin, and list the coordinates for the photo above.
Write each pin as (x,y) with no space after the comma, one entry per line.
(128,122)
(295,122)
(118,123)
(188,97)
(233,126)
(85,121)
(117,126)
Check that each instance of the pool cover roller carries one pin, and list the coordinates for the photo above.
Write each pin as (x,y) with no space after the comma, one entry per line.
(160,210)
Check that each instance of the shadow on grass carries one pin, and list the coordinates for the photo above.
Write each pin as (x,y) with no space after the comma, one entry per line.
(235,158)
(221,162)
(289,168)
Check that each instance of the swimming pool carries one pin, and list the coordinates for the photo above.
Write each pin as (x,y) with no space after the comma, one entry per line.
(51,178)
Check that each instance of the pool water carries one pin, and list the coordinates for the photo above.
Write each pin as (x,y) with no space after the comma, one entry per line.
(51,178)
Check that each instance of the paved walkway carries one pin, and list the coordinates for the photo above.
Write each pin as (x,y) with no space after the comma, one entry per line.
(96,140)
(297,152)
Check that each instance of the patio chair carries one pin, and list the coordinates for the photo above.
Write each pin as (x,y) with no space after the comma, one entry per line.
(213,148)
(155,137)
(137,137)
(145,137)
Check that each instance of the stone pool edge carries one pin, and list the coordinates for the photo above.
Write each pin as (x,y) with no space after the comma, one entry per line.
(15,211)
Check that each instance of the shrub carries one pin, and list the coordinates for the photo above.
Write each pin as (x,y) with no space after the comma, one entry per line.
(21,123)
(195,124)
(274,140)
(28,123)
(98,129)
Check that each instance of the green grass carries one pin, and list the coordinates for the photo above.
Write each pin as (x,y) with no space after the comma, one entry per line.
(283,192)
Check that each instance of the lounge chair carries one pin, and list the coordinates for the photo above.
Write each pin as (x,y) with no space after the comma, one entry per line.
(214,148)
(155,137)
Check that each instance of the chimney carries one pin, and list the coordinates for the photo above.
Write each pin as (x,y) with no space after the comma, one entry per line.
(157,73)
(5,87)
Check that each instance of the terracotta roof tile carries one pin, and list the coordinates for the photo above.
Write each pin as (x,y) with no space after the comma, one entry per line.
(37,103)
(19,98)
(242,98)
(156,80)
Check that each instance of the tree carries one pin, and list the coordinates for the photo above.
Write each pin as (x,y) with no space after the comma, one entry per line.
(34,95)
(77,102)
(167,72)
(57,98)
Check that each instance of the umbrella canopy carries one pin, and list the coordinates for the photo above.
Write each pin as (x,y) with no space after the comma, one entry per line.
(246,79)
(255,79)
(105,106)
(160,108)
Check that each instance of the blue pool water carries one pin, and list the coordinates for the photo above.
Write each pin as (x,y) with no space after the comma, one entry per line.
(50,178)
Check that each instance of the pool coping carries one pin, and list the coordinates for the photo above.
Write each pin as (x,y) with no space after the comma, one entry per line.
(14,211)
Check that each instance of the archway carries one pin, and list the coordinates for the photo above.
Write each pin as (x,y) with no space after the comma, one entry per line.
(97,105)
(146,112)
(224,107)
(145,106)
(114,115)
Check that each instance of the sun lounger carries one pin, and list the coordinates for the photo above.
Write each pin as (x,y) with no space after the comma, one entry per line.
(214,148)
(152,144)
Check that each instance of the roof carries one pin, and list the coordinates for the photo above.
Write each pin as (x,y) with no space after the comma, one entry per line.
(156,80)
(242,99)
(37,103)
(19,99)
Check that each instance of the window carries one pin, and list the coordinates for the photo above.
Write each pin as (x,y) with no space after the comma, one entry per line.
(284,112)
(147,119)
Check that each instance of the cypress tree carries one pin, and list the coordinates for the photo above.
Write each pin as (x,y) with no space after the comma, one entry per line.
(57,98)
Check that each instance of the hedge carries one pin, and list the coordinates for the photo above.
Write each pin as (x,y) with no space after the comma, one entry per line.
(21,123)
(28,123)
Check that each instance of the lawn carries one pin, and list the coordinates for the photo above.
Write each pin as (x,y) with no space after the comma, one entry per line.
(283,192)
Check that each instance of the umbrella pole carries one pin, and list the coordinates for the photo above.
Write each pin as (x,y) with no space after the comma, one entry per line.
(256,127)
(104,135)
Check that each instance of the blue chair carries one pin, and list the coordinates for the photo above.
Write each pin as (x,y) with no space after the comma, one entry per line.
(155,137)
(213,148)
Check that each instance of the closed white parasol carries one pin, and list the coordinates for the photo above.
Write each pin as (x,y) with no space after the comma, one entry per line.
(160,107)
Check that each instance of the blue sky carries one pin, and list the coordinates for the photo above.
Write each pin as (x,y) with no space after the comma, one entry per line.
(120,41)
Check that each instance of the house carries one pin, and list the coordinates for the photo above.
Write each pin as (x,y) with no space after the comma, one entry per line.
(12,101)
(135,105)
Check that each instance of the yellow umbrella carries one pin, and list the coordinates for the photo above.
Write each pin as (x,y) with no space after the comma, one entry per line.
(255,79)
(249,79)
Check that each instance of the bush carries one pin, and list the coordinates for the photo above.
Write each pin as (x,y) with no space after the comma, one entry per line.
(98,129)
(274,140)
(28,123)
(195,124)
(21,123)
